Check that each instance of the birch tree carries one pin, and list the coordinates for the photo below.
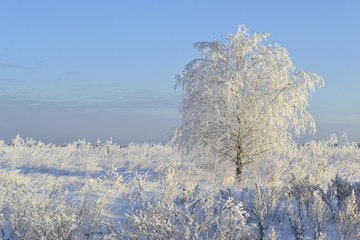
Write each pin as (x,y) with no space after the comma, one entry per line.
(243,98)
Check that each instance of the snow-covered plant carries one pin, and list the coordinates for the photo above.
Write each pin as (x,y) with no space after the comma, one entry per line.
(338,190)
(356,189)
(137,195)
(189,215)
(319,214)
(348,224)
(272,234)
(263,207)
(323,160)
(231,221)
(308,208)
(26,214)
(312,160)
(342,189)
(297,222)
(301,192)
(243,98)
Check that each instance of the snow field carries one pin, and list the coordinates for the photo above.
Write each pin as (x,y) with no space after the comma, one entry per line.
(151,191)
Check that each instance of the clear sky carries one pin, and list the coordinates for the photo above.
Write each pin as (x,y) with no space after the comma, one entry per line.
(99,69)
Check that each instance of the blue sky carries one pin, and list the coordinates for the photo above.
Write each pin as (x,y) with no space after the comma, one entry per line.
(99,69)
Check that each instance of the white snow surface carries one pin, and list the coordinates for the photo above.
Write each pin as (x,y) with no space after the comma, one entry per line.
(151,191)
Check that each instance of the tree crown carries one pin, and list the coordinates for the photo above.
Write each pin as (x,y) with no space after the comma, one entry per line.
(243,97)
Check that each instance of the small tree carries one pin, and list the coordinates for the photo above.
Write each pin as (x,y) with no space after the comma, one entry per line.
(243,98)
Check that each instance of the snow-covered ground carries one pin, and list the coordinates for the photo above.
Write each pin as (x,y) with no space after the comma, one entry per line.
(151,191)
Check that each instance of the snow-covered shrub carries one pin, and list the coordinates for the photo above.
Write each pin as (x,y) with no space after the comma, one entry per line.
(342,189)
(348,219)
(272,234)
(319,215)
(26,214)
(264,207)
(321,161)
(301,192)
(297,221)
(189,215)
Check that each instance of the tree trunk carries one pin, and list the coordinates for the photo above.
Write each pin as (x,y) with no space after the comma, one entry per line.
(239,167)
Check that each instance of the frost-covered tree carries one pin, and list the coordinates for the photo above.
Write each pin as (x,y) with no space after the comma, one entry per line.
(243,98)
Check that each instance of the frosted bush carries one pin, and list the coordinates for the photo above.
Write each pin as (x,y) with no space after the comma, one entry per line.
(190,215)
(319,215)
(26,214)
(264,207)
(349,219)
(209,218)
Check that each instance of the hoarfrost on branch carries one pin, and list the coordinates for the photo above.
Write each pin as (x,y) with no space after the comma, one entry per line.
(243,98)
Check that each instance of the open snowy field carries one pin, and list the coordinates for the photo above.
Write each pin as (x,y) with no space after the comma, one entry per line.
(104,191)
